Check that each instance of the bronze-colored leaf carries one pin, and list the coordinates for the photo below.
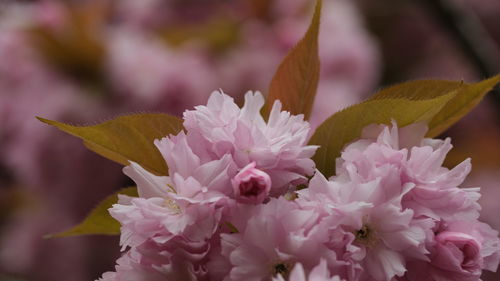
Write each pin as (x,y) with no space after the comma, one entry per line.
(296,80)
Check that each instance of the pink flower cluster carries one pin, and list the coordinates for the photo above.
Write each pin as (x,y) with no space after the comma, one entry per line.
(238,205)
(138,71)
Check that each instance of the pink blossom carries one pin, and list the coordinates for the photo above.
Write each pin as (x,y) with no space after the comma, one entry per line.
(402,176)
(142,72)
(167,238)
(144,13)
(291,236)
(459,251)
(251,185)
(364,209)
(163,219)
(416,161)
(191,178)
(154,262)
(38,158)
(278,146)
(188,204)
(52,14)
(485,235)
(145,72)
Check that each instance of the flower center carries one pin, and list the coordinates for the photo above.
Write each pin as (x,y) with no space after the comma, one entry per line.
(169,203)
(253,187)
(282,268)
(366,235)
(363,233)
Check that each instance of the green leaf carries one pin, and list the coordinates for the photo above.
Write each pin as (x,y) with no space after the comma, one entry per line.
(464,101)
(345,126)
(419,89)
(99,221)
(467,97)
(296,80)
(127,138)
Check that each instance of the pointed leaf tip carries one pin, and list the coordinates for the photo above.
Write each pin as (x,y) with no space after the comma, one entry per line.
(438,103)
(98,221)
(127,138)
(296,79)
(405,103)
(466,99)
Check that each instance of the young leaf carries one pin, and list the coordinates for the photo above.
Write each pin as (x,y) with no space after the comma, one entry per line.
(465,100)
(419,89)
(296,80)
(346,125)
(127,138)
(99,221)
(467,97)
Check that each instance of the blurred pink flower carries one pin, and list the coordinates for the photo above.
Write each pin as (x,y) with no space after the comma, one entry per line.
(147,73)
(37,156)
(349,56)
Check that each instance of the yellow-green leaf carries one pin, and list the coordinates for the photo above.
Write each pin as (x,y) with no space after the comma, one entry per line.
(99,221)
(345,126)
(127,138)
(419,89)
(296,79)
(467,97)
(464,101)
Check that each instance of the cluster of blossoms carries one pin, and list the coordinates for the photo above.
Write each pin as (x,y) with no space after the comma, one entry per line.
(137,70)
(238,205)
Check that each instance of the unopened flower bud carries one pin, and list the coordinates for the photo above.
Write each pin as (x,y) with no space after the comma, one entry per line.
(251,185)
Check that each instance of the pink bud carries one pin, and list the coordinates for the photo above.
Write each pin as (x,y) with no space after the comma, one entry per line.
(459,253)
(251,185)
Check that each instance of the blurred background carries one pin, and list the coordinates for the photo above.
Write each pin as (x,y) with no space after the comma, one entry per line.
(88,61)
